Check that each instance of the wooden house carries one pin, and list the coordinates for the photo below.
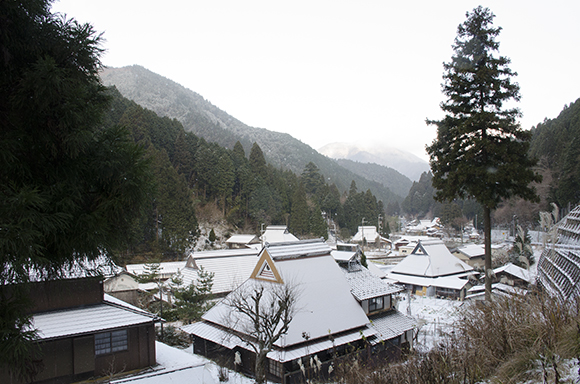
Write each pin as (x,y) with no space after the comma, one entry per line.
(333,317)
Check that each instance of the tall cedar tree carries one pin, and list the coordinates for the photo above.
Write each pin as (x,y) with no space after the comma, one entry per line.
(69,189)
(480,150)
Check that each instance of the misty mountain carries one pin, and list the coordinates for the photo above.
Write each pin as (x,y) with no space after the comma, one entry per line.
(197,115)
(397,182)
(398,159)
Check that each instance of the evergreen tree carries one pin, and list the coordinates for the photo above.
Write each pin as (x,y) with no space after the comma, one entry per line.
(480,150)
(313,181)
(193,300)
(69,188)
(258,162)
(568,188)
(299,213)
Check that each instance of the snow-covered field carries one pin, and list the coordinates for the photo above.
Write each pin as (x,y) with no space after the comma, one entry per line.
(176,366)
(435,317)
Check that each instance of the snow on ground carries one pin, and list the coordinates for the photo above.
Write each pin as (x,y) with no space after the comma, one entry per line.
(182,366)
(435,317)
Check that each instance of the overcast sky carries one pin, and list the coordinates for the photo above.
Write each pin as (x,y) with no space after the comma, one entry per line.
(335,71)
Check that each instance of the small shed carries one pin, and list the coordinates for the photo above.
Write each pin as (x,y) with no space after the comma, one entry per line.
(242,241)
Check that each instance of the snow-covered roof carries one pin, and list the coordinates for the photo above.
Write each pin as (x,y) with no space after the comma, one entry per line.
(86,320)
(220,336)
(228,272)
(368,232)
(277,234)
(166,268)
(450,282)
(472,250)
(365,285)
(431,258)
(391,324)
(374,268)
(325,303)
(297,249)
(242,239)
(496,287)
(514,270)
(343,255)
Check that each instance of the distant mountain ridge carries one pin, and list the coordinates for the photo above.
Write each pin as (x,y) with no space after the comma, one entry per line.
(167,98)
(400,160)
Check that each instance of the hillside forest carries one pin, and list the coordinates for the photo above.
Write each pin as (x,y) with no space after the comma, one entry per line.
(248,193)
(189,173)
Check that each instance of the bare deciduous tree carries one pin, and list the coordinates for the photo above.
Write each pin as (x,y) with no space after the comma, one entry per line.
(262,312)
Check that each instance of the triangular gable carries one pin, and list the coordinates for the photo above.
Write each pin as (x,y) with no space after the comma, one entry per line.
(419,250)
(191,263)
(266,269)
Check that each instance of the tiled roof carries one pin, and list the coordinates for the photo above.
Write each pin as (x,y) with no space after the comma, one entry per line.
(365,285)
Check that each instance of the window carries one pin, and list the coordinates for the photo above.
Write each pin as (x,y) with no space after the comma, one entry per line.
(108,342)
(275,368)
(375,304)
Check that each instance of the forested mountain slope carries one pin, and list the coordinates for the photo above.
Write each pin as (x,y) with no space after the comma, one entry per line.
(199,116)
(556,142)
(397,182)
(189,172)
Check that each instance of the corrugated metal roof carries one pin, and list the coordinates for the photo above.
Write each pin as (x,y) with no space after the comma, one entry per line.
(221,253)
(304,248)
(229,272)
(391,324)
(83,320)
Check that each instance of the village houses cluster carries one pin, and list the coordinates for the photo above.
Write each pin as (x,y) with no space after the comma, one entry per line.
(346,298)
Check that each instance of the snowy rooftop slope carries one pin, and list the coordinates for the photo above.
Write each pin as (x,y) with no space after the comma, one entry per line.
(367,232)
(82,320)
(218,335)
(450,282)
(472,250)
(365,285)
(391,324)
(514,270)
(228,272)
(277,234)
(343,255)
(242,239)
(297,249)
(325,302)
(431,258)
(166,268)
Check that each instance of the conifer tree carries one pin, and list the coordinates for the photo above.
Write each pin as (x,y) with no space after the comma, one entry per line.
(69,188)
(480,150)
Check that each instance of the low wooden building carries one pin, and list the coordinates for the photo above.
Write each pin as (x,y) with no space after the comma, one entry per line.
(83,334)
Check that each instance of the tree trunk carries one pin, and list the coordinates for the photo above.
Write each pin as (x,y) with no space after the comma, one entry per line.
(260,367)
(487,242)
